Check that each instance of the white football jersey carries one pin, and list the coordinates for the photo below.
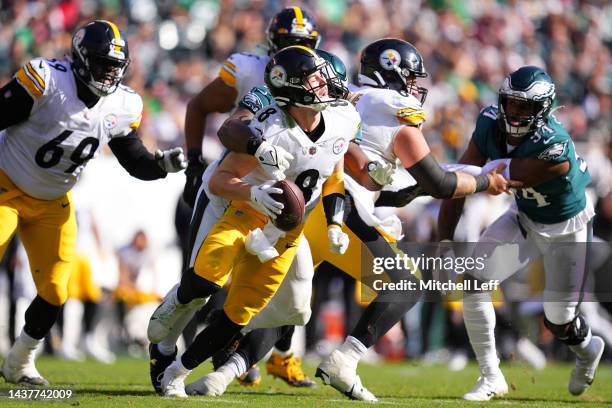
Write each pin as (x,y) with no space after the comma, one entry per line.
(45,154)
(383,113)
(243,71)
(313,162)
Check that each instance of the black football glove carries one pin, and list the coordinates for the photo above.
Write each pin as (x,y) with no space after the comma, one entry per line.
(401,197)
(193,174)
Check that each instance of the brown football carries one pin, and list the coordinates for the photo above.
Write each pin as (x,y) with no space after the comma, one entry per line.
(293,200)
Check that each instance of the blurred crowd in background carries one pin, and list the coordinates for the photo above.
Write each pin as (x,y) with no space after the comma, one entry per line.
(177,47)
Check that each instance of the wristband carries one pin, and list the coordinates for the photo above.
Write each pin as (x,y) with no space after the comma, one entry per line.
(482,183)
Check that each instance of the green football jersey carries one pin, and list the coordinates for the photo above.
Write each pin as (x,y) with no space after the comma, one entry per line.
(556,200)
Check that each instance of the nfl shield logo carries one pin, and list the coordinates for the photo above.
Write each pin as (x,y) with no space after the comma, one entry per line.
(312,150)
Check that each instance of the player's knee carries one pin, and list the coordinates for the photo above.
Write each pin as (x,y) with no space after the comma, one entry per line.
(571,333)
(559,312)
(54,293)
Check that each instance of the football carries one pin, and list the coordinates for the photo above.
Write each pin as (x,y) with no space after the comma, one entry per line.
(293,200)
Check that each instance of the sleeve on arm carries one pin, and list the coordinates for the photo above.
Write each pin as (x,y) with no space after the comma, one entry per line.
(135,158)
(15,104)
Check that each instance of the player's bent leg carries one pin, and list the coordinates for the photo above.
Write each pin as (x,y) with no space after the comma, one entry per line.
(588,349)
(49,238)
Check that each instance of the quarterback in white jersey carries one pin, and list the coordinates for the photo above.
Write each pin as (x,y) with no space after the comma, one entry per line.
(317,135)
(56,115)
(238,74)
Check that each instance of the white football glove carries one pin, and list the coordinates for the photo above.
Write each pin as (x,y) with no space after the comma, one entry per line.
(261,243)
(381,172)
(171,161)
(260,196)
(273,159)
(338,240)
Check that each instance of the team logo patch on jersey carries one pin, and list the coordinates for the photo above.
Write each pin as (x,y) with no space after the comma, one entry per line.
(278,76)
(338,146)
(110,121)
(389,59)
(553,152)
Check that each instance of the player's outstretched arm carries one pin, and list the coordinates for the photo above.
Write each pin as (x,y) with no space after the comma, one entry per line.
(361,168)
(142,164)
(215,97)
(333,206)
(15,104)
(411,148)
(450,210)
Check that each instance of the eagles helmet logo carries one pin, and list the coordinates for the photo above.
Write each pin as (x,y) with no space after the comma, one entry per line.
(390,59)
(278,76)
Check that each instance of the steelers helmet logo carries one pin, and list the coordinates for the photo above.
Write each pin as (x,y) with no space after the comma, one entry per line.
(78,37)
(389,59)
(278,76)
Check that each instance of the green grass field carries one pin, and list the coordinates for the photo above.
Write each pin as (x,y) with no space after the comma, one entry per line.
(126,384)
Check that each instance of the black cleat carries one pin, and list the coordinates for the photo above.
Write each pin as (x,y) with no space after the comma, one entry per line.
(158,363)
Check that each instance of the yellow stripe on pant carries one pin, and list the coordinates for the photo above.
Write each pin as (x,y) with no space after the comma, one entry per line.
(48,231)
(223,254)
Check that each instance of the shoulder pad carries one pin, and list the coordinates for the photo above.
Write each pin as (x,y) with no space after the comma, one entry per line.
(257,98)
(236,66)
(35,76)
(131,107)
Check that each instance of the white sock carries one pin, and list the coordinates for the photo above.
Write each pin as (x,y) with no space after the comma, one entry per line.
(25,341)
(353,348)
(167,345)
(234,367)
(479,318)
(282,353)
(178,368)
(585,349)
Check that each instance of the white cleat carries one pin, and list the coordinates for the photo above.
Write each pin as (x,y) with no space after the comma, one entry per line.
(583,374)
(173,382)
(19,368)
(487,388)
(168,313)
(97,351)
(337,371)
(529,352)
(213,385)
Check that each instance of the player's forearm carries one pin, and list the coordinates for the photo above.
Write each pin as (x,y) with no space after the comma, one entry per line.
(448,218)
(135,158)
(229,186)
(195,124)
(236,136)
(356,165)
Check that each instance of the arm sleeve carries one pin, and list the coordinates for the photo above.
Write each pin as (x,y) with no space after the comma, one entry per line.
(433,179)
(135,158)
(15,104)
(333,199)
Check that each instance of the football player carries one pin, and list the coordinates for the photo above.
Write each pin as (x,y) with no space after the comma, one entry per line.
(56,115)
(317,133)
(392,112)
(550,211)
(239,73)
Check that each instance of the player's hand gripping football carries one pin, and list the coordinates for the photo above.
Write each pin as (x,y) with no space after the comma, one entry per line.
(260,196)
(273,159)
(171,161)
(497,183)
(338,240)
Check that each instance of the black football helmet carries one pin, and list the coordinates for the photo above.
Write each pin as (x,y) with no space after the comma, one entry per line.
(292,26)
(289,78)
(100,56)
(526,99)
(393,64)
